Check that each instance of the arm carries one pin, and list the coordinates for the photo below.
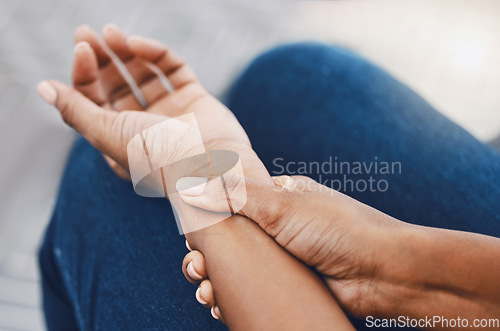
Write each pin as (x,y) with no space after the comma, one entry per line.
(436,272)
(258,286)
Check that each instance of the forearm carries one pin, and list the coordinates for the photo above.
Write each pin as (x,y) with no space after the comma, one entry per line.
(442,273)
(258,286)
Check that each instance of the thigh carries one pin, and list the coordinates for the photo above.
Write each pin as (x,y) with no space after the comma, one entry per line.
(326,113)
(112,258)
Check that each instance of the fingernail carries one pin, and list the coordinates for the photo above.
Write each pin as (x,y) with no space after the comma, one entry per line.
(150,42)
(47,92)
(191,186)
(192,272)
(80,46)
(188,247)
(198,296)
(109,27)
(215,312)
(134,39)
(81,27)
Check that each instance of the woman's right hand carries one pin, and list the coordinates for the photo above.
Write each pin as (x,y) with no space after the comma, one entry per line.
(374,264)
(348,242)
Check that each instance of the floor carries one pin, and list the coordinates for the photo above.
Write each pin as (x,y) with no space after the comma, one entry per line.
(444,49)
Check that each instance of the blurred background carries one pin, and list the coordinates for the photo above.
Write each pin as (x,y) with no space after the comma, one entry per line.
(447,50)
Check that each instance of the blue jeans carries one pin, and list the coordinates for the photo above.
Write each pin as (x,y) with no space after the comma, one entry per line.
(111,259)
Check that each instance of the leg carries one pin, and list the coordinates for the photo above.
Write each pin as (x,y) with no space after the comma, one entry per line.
(308,102)
(105,265)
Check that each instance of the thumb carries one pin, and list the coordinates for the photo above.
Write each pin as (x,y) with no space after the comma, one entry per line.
(263,203)
(82,114)
(77,110)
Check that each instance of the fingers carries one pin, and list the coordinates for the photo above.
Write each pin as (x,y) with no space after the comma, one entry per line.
(140,70)
(87,34)
(86,73)
(122,95)
(193,267)
(145,77)
(89,58)
(112,82)
(115,87)
(77,111)
(117,42)
(205,294)
(142,73)
(261,202)
(215,311)
(172,65)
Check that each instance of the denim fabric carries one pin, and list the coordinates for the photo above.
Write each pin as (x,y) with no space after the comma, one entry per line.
(111,259)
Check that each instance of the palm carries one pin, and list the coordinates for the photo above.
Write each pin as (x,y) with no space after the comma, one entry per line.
(98,78)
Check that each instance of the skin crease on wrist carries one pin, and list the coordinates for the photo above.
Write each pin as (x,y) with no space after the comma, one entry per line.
(282,292)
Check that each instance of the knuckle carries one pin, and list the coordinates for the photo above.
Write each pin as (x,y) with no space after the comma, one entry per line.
(112,125)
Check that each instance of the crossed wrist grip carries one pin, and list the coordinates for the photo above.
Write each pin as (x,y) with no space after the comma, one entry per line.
(162,154)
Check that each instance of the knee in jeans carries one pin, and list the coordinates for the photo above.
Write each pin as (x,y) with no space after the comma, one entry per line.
(304,63)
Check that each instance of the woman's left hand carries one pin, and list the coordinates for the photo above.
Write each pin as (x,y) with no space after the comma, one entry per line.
(104,109)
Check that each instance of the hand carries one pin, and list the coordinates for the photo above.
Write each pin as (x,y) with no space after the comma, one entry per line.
(346,241)
(104,110)
(193,267)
